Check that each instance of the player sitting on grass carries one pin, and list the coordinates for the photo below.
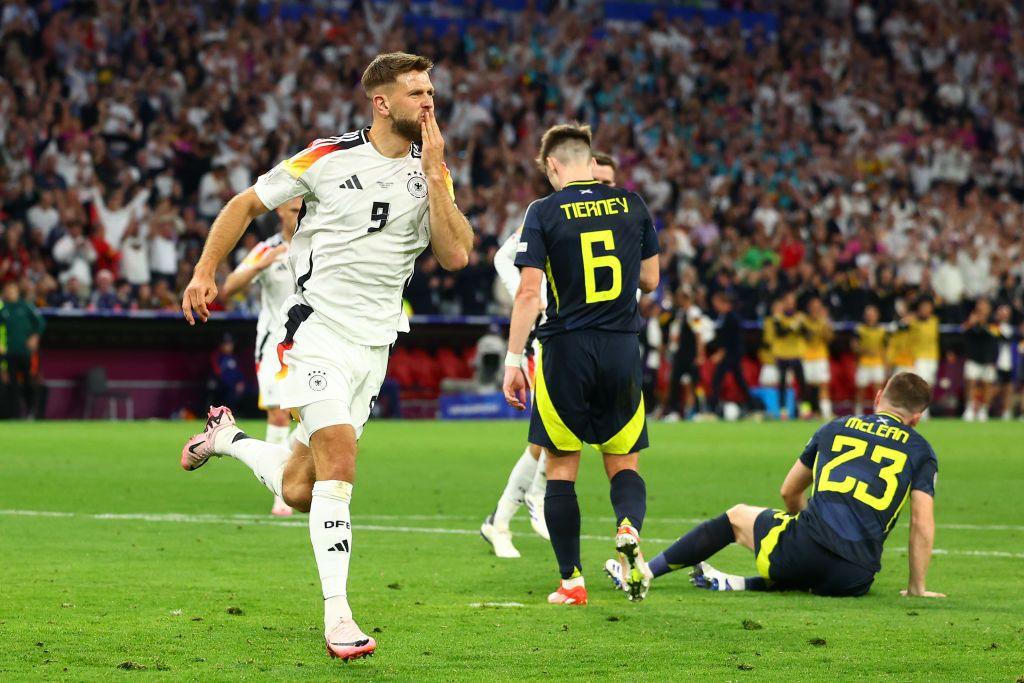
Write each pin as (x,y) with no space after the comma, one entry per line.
(862,471)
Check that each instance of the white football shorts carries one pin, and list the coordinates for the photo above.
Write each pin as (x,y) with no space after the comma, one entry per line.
(817,371)
(869,376)
(318,365)
(979,372)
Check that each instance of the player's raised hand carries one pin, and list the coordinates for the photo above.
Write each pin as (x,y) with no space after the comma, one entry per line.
(514,387)
(201,291)
(921,594)
(268,257)
(433,145)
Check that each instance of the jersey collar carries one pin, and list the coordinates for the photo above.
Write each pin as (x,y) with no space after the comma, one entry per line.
(892,415)
(581,182)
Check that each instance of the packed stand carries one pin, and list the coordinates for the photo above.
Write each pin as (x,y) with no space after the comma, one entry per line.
(864,154)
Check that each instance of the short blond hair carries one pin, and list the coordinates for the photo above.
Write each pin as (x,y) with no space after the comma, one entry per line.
(386,68)
(566,135)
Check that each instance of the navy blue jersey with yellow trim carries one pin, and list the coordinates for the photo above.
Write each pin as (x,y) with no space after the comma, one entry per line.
(864,469)
(589,239)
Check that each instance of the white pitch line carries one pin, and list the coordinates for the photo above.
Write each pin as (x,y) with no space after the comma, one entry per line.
(252,520)
(242,518)
(496,604)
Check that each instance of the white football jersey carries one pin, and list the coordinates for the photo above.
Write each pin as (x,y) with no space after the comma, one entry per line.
(277,283)
(366,220)
(508,272)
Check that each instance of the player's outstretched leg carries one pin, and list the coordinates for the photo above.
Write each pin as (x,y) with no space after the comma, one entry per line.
(703,575)
(223,437)
(562,514)
(495,529)
(277,434)
(535,495)
(201,447)
(707,539)
(700,543)
(629,500)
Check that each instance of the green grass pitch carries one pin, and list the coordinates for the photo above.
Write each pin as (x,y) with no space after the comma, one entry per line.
(113,558)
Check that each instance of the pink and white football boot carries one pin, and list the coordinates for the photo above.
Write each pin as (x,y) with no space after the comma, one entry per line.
(346,641)
(200,447)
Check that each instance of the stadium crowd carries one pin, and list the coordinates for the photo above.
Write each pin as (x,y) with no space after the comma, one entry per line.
(869,153)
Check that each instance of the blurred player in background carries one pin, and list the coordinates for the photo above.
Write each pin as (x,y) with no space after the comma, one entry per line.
(924,330)
(374,198)
(869,344)
(900,343)
(817,373)
(789,339)
(686,353)
(597,245)
(980,349)
(603,167)
(527,480)
(768,376)
(1003,332)
(267,266)
(861,470)
(729,351)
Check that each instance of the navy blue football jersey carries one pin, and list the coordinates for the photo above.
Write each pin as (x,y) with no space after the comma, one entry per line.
(589,239)
(864,470)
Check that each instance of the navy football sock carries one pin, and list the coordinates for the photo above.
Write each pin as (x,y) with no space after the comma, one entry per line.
(756,583)
(629,498)
(562,514)
(703,541)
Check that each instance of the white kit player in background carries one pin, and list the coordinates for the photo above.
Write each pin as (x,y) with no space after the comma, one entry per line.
(527,480)
(267,266)
(375,198)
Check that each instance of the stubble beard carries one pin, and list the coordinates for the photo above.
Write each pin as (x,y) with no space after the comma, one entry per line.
(408,129)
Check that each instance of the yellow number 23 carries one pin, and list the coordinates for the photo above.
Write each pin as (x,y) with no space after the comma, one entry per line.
(857,448)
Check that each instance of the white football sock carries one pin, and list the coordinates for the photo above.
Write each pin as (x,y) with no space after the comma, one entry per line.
(540,478)
(330,532)
(826,408)
(266,460)
(512,497)
(575,582)
(278,435)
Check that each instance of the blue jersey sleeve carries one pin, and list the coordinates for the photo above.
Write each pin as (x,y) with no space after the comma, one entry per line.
(532,251)
(649,238)
(810,451)
(926,470)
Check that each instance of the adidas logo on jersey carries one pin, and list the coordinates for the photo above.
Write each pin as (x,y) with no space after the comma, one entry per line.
(352,184)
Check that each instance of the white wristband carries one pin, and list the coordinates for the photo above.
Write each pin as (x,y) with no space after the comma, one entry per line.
(513,360)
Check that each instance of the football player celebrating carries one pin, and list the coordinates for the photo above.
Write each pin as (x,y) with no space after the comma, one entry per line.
(527,481)
(267,266)
(375,198)
(861,470)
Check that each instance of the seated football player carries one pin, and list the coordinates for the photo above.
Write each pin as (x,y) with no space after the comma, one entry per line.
(862,471)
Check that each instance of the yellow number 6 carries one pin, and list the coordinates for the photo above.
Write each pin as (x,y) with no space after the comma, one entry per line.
(591,263)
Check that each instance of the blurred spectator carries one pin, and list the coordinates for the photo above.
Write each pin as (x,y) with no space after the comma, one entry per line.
(227,383)
(822,177)
(74,254)
(104,296)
